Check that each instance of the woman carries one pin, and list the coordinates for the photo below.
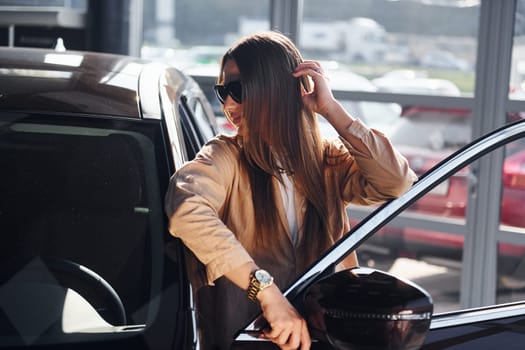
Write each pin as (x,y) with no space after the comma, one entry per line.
(273,196)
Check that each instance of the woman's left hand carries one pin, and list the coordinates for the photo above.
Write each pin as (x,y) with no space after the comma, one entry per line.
(320,99)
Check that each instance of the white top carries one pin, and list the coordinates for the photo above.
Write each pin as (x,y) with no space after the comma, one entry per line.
(288,196)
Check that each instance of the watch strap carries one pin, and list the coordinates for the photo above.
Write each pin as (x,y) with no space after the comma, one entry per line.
(253,288)
(257,285)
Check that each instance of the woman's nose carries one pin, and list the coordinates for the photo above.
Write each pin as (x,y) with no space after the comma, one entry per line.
(230,102)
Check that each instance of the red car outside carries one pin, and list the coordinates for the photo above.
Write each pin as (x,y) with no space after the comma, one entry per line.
(425,136)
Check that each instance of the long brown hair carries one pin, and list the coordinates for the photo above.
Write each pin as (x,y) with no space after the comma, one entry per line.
(280,134)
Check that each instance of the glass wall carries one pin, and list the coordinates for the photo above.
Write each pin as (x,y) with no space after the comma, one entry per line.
(401,46)
(426,73)
(193,35)
(511,236)
(517,73)
(405,47)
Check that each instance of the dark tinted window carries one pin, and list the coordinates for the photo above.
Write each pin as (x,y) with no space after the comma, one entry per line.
(202,119)
(192,137)
(77,195)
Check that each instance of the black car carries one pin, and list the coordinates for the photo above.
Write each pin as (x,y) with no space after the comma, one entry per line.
(87,145)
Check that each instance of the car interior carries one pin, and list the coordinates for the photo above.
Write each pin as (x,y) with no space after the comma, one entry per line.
(85,217)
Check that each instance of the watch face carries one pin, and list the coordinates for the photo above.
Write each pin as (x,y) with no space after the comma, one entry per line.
(263,276)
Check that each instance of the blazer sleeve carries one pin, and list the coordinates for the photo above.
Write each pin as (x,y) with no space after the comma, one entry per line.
(371,177)
(195,196)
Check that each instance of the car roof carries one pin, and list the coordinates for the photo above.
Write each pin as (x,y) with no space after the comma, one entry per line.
(41,80)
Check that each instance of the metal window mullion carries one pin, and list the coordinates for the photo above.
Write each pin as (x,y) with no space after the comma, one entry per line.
(478,278)
(286,17)
(136,9)
(11,36)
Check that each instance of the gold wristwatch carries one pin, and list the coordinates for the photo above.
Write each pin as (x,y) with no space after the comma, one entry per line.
(259,280)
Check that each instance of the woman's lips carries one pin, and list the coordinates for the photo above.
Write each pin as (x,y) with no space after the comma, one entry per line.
(235,119)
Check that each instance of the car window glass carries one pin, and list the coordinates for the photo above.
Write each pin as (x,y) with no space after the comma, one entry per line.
(517,68)
(511,245)
(192,139)
(80,217)
(426,243)
(201,119)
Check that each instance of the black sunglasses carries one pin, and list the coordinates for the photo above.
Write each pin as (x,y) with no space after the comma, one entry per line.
(233,88)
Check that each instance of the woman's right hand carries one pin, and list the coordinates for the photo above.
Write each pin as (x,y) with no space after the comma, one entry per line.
(287,328)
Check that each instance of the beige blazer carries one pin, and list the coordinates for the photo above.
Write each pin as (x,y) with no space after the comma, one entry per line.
(210,208)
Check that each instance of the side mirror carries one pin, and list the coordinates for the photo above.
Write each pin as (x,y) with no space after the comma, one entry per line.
(363,308)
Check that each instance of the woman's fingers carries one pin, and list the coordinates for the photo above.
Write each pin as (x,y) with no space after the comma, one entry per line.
(306,341)
(275,333)
(309,68)
(312,65)
(320,98)
(294,340)
(287,328)
(290,338)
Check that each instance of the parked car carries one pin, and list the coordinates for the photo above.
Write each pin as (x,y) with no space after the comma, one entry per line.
(425,136)
(444,60)
(87,145)
(415,82)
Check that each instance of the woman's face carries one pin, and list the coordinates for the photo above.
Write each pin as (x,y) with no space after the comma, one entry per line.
(232,109)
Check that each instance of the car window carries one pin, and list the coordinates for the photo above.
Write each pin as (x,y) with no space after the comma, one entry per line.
(201,117)
(192,138)
(80,219)
(427,243)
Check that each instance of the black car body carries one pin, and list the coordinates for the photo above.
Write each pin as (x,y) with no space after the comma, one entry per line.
(87,145)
